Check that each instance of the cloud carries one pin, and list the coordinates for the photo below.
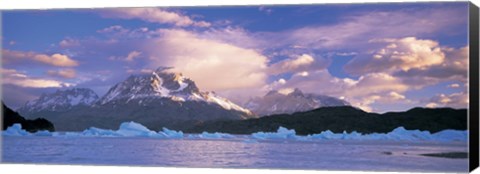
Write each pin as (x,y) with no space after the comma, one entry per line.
(353,30)
(236,36)
(454,85)
(132,55)
(64,73)
(154,15)
(398,55)
(113,29)
(13,77)
(250,58)
(207,61)
(362,92)
(59,60)
(303,62)
(68,42)
(455,100)
(266,10)
(453,68)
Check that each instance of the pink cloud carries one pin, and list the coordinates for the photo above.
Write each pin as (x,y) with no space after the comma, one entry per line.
(154,15)
(59,60)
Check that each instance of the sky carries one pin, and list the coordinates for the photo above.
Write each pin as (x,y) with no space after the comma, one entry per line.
(378,57)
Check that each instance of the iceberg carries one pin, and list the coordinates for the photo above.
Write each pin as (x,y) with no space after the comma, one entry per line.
(133,129)
(171,133)
(451,135)
(95,132)
(15,130)
(128,129)
(215,135)
(282,133)
(43,133)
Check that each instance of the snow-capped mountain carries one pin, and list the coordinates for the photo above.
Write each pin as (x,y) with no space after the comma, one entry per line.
(162,84)
(275,102)
(157,99)
(60,100)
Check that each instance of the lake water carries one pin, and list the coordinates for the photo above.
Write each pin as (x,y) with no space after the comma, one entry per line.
(364,155)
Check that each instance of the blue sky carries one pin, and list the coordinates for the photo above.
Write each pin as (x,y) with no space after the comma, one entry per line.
(379,57)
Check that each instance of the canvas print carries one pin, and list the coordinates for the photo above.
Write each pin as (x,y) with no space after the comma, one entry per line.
(363,87)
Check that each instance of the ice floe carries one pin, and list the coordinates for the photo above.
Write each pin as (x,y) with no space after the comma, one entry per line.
(133,129)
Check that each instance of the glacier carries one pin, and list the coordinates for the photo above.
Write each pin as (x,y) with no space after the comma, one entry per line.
(133,129)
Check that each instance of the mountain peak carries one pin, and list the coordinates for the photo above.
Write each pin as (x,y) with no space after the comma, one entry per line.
(61,99)
(296,92)
(272,92)
(162,84)
(289,100)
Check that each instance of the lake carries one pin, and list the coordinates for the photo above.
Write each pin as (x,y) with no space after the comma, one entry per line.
(239,152)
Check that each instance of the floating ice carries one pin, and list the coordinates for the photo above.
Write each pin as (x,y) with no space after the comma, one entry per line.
(215,135)
(171,133)
(399,134)
(129,129)
(43,133)
(133,129)
(451,135)
(95,132)
(15,130)
(282,133)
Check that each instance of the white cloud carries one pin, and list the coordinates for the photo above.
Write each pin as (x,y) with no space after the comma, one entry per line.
(265,9)
(69,42)
(454,85)
(59,60)
(213,65)
(398,55)
(455,100)
(303,62)
(64,73)
(13,77)
(354,30)
(153,15)
(362,92)
(132,55)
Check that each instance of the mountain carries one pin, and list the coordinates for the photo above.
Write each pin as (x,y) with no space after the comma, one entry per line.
(162,84)
(11,117)
(158,99)
(61,100)
(344,118)
(275,102)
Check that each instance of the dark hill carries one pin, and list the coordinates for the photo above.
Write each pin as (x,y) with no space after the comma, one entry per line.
(11,117)
(338,119)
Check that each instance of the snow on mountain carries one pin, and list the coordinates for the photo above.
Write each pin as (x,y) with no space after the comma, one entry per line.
(165,85)
(60,100)
(275,102)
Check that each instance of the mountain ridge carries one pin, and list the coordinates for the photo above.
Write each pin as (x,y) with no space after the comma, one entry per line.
(344,118)
(275,102)
(156,100)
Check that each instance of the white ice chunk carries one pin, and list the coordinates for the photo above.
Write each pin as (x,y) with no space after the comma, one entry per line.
(282,133)
(215,135)
(171,133)
(132,129)
(96,132)
(451,135)
(15,130)
(43,133)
